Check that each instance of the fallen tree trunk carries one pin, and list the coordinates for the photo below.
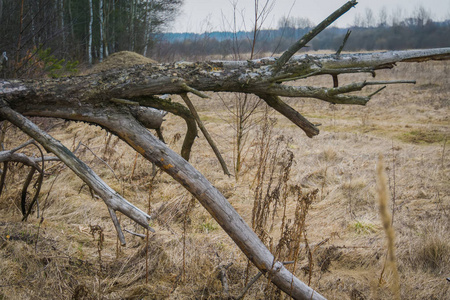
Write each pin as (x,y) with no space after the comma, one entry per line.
(94,99)
(53,98)
(141,83)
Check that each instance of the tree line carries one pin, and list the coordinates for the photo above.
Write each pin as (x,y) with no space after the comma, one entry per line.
(40,34)
(408,34)
(52,36)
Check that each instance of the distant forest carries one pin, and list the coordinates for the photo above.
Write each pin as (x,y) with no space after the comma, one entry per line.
(408,34)
(55,37)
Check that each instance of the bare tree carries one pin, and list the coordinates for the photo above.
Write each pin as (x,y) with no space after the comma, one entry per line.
(91,22)
(382,17)
(101,22)
(369,18)
(107,99)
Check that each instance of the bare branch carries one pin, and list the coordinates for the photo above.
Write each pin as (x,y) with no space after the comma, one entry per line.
(109,196)
(347,35)
(310,35)
(142,236)
(205,133)
(290,113)
(116,223)
(332,95)
(193,91)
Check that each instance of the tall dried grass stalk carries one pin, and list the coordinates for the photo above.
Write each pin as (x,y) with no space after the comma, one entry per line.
(386,219)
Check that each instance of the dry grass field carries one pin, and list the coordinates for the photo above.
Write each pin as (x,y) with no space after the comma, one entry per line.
(342,245)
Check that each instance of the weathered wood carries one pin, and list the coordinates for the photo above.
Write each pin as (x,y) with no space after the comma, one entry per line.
(141,83)
(290,113)
(113,100)
(131,131)
(311,34)
(87,98)
(109,196)
(205,133)
(213,201)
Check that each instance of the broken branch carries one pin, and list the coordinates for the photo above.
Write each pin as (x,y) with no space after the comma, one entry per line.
(290,113)
(310,35)
(112,199)
(205,133)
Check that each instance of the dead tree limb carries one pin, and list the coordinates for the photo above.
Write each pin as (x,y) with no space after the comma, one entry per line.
(178,110)
(10,156)
(90,99)
(86,99)
(113,200)
(310,35)
(205,133)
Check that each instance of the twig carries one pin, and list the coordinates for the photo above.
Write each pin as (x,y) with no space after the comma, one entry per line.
(376,92)
(193,91)
(39,185)
(124,101)
(116,223)
(347,35)
(135,233)
(3,178)
(96,156)
(43,210)
(223,278)
(254,279)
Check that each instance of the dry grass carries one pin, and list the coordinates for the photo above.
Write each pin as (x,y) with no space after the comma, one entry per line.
(345,250)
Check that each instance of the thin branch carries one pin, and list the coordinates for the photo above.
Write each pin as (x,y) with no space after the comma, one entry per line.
(110,197)
(136,234)
(347,35)
(331,95)
(124,101)
(194,91)
(116,223)
(205,133)
(3,177)
(96,156)
(310,35)
(23,197)
(376,92)
(254,279)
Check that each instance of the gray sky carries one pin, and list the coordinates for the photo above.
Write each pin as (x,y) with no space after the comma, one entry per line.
(215,15)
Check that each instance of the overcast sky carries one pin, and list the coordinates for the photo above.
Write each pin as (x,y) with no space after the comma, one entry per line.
(214,15)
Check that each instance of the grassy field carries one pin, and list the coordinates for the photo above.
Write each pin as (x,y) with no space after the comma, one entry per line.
(339,242)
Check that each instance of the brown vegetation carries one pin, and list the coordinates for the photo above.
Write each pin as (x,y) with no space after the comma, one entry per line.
(342,250)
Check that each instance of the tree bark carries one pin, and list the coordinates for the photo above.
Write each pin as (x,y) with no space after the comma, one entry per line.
(112,199)
(91,99)
(91,21)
